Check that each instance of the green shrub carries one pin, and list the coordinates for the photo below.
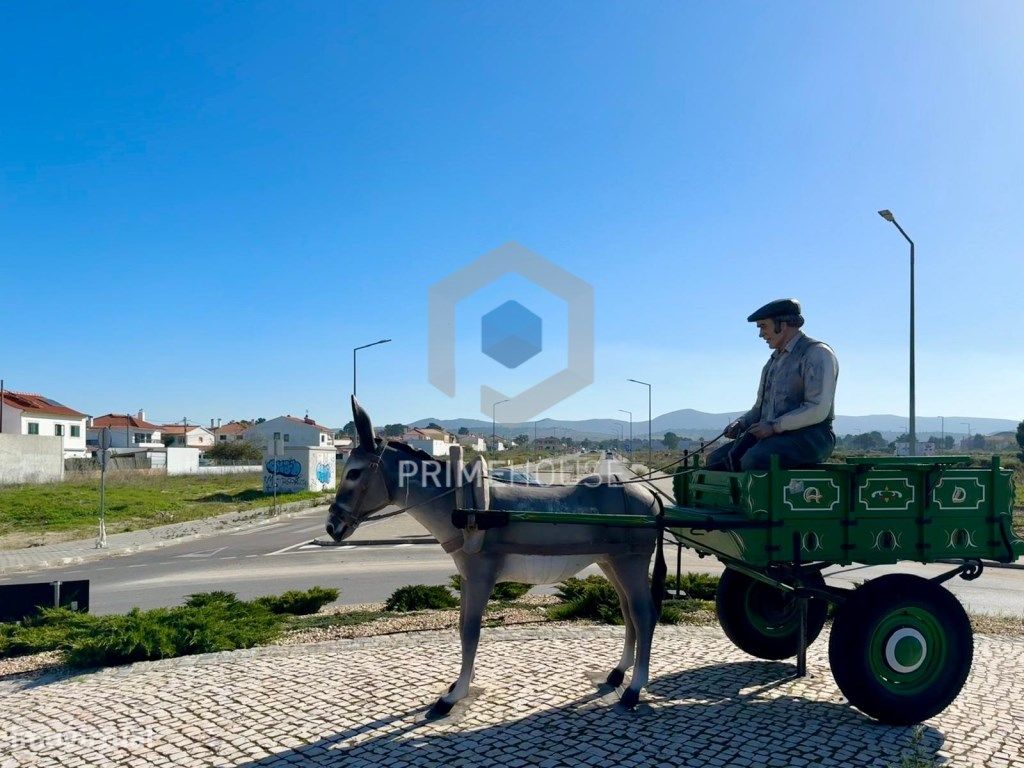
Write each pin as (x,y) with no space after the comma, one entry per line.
(53,629)
(696,586)
(219,625)
(591,598)
(202,599)
(504,591)
(420,597)
(299,602)
(595,598)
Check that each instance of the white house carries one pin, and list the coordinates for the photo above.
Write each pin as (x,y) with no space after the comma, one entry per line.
(233,431)
(194,436)
(475,442)
(291,430)
(436,442)
(126,431)
(22,413)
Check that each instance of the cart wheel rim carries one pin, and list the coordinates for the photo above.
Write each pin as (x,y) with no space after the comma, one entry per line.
(771,611)
(908,650)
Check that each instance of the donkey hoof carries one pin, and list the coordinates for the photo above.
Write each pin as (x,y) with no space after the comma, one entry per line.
(630,698)
(615,678)
(440,708)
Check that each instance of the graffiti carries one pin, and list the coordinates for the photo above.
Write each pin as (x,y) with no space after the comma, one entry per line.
(323,473)
(284,467)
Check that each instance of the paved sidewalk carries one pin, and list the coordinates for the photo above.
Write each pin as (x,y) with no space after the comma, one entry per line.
(361,703)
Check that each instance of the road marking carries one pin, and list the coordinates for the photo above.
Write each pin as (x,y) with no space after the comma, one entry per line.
(107,568)
(139,565)
(288,548)
(252,555)
(257,529)
(399,546)
(205,553)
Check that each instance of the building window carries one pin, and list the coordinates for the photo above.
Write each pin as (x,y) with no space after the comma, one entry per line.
(223,438)
(143,437)
(33,427)
(286,436)
(76,431)
(58,430)
(277,435)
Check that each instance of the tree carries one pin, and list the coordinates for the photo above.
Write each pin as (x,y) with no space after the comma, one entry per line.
(978,442)
(943,443)
(349,430)
(866,441)
(1020,440)
(671,440)
(238,450)
(394,430)
(522,439)
(435,425)
(463,430)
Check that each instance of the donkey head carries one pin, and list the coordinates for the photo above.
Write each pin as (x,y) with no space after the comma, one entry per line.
(363,487)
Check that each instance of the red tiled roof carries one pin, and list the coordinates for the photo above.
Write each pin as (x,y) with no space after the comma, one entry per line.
(122,420)
(231,428)
(177,429)
(39,404)
(309,423)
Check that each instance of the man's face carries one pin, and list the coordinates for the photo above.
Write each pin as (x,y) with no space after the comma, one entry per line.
(766,330)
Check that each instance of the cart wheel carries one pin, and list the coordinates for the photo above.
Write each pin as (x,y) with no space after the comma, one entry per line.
(765,621)
(901,648)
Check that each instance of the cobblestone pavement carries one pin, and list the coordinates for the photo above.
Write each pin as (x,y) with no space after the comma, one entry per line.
(534,702)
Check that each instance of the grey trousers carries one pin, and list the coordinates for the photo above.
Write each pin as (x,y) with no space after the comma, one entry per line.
(809,445)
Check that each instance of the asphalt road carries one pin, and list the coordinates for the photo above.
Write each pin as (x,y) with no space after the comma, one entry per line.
(276,556)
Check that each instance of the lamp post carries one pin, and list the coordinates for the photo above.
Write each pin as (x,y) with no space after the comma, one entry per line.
(650,444)
(494,422)
(968,433)
(887,215)
(382,341)
(623,410)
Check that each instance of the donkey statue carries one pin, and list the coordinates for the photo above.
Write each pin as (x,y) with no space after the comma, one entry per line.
(381,473)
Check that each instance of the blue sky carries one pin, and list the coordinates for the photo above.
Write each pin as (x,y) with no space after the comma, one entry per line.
(204,207)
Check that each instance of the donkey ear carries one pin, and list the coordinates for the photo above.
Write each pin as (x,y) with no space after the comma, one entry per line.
(363,426)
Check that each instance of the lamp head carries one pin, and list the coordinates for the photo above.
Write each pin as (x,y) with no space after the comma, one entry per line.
(886,214)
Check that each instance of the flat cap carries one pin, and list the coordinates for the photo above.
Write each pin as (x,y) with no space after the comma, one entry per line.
(777,308)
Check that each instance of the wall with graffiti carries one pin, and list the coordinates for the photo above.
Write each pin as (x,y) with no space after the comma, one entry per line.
(297,469)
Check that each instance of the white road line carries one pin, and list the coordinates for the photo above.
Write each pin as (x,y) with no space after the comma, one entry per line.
(399,546)
(207,553)
(288,548)
(257,529)
(252,555)
(139,565)
(107,568)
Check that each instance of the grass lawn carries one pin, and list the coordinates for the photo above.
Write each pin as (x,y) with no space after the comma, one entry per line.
(132,502)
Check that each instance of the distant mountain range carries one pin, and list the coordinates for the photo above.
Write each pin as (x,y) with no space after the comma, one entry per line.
(691,423)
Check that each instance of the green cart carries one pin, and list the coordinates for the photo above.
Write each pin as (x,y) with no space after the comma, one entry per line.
(901,646)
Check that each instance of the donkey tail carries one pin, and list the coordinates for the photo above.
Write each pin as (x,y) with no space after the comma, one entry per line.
(660,569)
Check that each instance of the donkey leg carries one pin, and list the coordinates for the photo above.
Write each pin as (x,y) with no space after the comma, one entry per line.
(477,584)
(632,573)
(618,673)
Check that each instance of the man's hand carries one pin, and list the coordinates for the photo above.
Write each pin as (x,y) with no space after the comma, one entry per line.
(733,430)
(762,429)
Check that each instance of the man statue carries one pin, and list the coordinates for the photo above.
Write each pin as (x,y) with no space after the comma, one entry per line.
(793,415)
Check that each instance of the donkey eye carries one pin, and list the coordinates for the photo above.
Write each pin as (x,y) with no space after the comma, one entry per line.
(354,474)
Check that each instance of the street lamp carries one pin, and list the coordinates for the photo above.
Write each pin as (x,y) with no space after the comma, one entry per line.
(968,432)
(623,410)
(494,441)
(382,341)
(887,215)
(650,444)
